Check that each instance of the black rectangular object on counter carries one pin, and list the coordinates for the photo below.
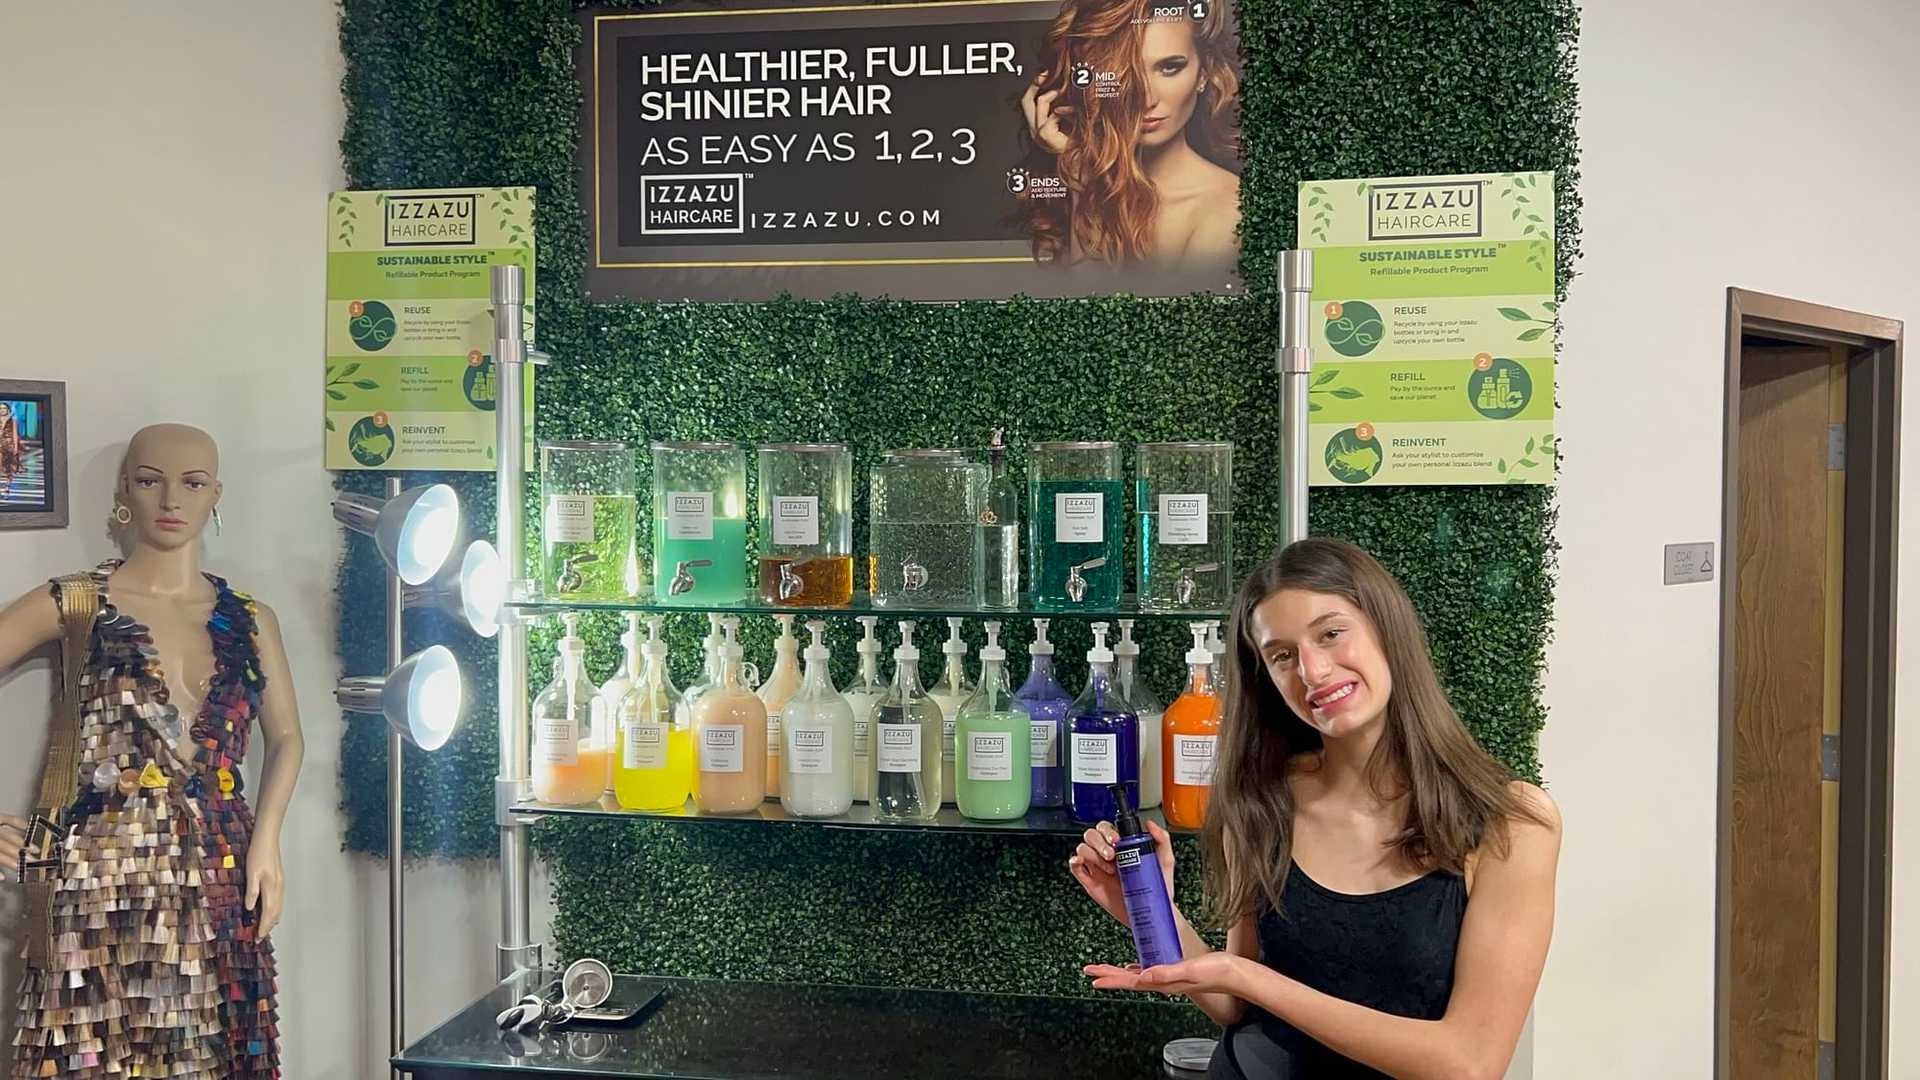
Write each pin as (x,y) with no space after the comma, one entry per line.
(706,1030)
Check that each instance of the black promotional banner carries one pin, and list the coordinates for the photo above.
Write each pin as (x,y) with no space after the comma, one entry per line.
(928,151)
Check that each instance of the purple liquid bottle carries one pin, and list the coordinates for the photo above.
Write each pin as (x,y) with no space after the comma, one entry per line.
(1047,702)
(1156,937)
(1103,742)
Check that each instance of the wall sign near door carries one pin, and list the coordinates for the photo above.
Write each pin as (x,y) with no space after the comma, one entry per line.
(1688,563)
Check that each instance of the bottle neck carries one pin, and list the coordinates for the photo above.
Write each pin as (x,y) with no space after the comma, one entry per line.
(817,674)
(1199,678)
(955,675)
(729,671)
(869,668)
(1123,668)
(906,675)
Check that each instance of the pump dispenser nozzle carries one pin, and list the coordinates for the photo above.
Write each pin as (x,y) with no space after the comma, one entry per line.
(817,648)
(1199,654)
(906,651)
(1041,646)
(1126,646)
(1099,654)
(870,641)
(953,643)
(992,650)
(729,647)
(785,619)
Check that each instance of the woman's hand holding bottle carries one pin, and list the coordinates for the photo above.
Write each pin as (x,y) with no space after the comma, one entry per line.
(1092,866)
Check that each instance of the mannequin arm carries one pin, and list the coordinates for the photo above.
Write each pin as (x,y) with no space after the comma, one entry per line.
(280,721)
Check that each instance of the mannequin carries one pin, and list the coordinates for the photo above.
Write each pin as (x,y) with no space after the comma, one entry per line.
(197,666)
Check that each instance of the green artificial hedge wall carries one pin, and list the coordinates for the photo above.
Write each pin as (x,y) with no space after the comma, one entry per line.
(482,92)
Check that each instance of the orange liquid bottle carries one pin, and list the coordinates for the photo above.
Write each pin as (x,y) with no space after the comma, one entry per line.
(1192,733)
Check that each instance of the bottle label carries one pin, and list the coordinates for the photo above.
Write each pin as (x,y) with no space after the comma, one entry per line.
(796,519)
(1095,759)
(899,749)
(989,756)
(556,741)
(570,519)
(946,739)
(646,746)
(862,729)
(721,748)
(773,731)
(1045,737)
(810,749)
(1183,519)
(1079,517)
(689,515)
(1193,760)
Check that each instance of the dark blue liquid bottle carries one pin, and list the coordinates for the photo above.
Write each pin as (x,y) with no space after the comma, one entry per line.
(1047,702)
(1103,742)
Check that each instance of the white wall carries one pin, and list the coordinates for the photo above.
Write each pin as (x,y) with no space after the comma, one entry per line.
(1756,143)
(166,170)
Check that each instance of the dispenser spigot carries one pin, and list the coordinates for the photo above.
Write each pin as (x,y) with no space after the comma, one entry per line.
(570,579)
(913,576)
(790,582)
(1077,585)
(1184,589)
(683,575)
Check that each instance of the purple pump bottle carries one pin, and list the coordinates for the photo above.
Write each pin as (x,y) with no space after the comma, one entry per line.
(1046,702)
(1156,937)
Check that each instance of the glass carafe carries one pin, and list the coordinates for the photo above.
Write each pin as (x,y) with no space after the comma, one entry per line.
(1076,512)
(806,524)
(587,521)
(1184,497)
(925,548)
(699,523)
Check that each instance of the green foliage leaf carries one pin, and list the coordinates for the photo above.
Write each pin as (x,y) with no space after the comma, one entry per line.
(1346,393)
(335,394)
(1514,314)
(366,384)
(1533,334)
(1326,376)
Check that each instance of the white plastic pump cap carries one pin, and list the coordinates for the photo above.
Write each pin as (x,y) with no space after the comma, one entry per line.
(1041,646)
(953,643)
(992,650)
(1199,654)
(906,651)
(1126,646)
(869,642)
(1099,654)
(654,646)
(728,646)
(817,648)
(785,619)
(571,642)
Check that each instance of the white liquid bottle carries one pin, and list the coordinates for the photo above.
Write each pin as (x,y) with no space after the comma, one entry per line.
(782,682)
(606,704)
(862,696)
(819,733)
(1126,660)
(951,692)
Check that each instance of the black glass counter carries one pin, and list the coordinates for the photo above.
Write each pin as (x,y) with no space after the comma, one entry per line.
(701,1030)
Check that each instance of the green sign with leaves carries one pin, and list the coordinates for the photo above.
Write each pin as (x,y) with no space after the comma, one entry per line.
(1433,329)
(409,378)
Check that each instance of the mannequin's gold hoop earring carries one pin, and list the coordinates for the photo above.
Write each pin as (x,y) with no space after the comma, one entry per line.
(121,514)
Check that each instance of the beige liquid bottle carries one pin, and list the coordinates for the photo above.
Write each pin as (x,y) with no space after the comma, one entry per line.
(782,683)
(730,740)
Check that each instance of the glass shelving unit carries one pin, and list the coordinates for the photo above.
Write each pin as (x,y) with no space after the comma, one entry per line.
(1128,608)
(1050,822)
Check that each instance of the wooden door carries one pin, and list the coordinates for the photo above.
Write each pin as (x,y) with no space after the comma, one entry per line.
(1782,653)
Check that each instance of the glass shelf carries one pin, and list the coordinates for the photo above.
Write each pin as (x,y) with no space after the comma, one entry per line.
(1054,822)
(1128,608)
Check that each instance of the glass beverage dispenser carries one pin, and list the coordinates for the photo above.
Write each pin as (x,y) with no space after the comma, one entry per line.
(1184,498)
(1076,507)
(925,548)
(586,538)
(699,522)
(806,524)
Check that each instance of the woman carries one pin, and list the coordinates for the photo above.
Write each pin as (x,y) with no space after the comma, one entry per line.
(1387,887)
(1136,113)
(166,885)
(12,453)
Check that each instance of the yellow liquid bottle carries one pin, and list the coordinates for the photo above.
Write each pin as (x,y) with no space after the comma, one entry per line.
(653,750)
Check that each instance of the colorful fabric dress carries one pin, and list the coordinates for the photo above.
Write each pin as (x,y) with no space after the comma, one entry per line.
(156,969)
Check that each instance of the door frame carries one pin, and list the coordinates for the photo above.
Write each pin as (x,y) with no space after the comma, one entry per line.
(1868,604)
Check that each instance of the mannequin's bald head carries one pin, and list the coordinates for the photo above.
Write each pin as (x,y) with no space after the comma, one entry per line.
(171,482)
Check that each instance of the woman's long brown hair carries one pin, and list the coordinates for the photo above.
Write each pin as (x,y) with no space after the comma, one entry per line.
(1109,216)
(1458,798)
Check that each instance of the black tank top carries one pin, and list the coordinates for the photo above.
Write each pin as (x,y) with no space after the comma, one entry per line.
(1391,951)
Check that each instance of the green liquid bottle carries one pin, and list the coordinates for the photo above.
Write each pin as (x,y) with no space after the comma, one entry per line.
(993,743)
